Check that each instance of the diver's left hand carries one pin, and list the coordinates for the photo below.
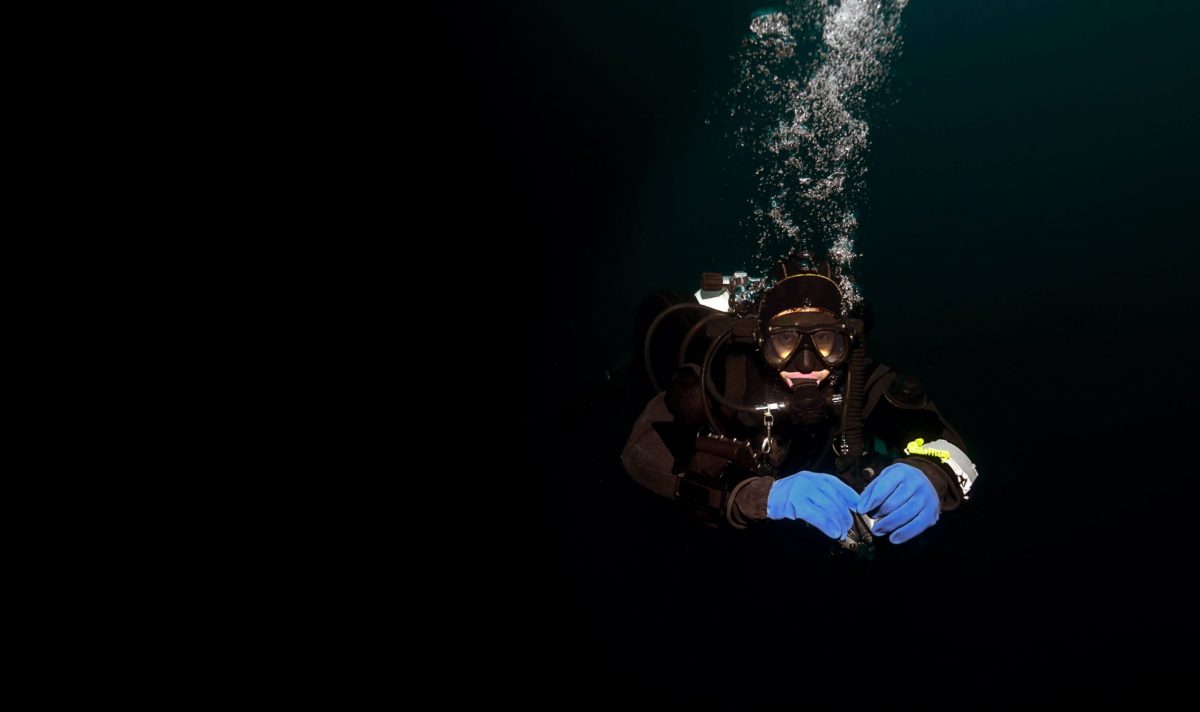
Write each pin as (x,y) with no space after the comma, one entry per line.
(906,500)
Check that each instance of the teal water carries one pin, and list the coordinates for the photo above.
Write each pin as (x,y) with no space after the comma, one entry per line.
(1024,227)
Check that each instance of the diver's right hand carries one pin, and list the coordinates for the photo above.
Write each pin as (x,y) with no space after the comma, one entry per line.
(822,500)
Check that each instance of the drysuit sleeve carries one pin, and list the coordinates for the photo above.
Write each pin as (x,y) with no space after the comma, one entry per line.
(661,455)
(647,457)
(899,412)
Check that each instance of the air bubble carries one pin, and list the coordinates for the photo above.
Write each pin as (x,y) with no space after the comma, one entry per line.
(801,115)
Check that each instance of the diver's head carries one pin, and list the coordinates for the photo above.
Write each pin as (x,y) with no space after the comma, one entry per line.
(801,332)
(802,336)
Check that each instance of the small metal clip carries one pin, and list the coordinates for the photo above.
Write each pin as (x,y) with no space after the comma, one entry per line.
(768,422)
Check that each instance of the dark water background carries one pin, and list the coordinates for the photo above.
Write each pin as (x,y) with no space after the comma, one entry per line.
(1029,248)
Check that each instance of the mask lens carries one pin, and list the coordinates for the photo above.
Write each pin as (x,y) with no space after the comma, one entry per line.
(780,346)
(831,345)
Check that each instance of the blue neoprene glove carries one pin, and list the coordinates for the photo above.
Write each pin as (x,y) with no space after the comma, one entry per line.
(906,502)
(822,500)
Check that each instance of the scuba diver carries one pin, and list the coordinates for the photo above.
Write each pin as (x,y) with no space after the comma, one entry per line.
(775,412)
